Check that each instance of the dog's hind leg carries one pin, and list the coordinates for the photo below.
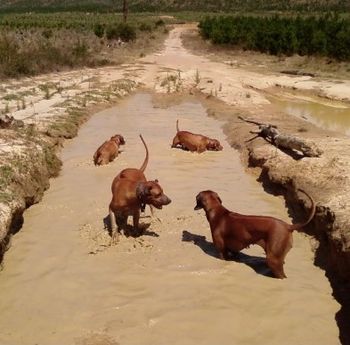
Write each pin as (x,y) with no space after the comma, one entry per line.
(136,219)
(276,265)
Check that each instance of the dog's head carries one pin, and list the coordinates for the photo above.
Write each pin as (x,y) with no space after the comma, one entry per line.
(151,193)
(119,139)
(214,145)
(207,199)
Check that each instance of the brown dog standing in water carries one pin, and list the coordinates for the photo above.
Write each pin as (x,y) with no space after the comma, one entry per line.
(232,232)
(109,150)
(194,142)
(131,193)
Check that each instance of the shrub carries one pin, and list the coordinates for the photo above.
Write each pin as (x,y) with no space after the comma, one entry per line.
(159,22)
(123,31)
(30,53)
(127,32)
(112,32)
(145,27)
(80,49)
(99,30)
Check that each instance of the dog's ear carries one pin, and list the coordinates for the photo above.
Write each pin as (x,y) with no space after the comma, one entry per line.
(143,190)
(121,140)
(199,204)
(216,194)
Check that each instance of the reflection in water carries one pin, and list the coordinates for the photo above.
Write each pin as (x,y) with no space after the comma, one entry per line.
(325,116)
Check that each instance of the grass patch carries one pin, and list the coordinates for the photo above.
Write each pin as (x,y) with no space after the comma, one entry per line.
(11,97)
(52,161)
(67,126)
(6,197)
(6,175)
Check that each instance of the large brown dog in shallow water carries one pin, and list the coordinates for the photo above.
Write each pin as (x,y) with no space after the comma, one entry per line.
(109,150)
(194,142)
(131,193)
(232,232)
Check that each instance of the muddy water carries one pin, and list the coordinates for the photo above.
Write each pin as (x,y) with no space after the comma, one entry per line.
(63,284)
(335,117)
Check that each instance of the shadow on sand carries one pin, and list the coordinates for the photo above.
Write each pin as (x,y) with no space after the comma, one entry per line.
(257,263)
(129,230)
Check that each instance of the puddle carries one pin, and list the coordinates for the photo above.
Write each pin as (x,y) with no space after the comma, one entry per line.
(63,284)
(331,117)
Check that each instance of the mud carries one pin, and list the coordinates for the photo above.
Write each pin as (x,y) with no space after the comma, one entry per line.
(66,284)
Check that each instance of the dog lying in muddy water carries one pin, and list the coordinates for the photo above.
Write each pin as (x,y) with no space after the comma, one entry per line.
(131,192)
(232,232)
(109,150)
(194,142)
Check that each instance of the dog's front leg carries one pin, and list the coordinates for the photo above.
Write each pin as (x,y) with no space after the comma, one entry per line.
(224,255)
(220,246)
(136,219)
(114,232)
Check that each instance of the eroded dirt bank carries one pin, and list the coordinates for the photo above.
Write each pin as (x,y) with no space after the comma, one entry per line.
(176,71)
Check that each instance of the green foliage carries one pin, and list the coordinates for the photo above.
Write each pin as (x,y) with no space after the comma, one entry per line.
(77,21)
(327,35)
(173,5)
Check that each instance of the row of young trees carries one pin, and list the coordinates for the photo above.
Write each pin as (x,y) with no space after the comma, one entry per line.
(173,5)
(327,35)
(107,25)
(67,20)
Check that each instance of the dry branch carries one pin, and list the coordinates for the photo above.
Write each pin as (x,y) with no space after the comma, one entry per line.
(272,135)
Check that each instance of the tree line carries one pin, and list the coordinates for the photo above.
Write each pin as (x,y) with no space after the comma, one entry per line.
(326,35)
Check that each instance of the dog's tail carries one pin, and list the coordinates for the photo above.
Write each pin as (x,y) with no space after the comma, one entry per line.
(177,125)
(298,226)
(145,162)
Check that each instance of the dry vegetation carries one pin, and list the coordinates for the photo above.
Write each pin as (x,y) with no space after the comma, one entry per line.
(39,43)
